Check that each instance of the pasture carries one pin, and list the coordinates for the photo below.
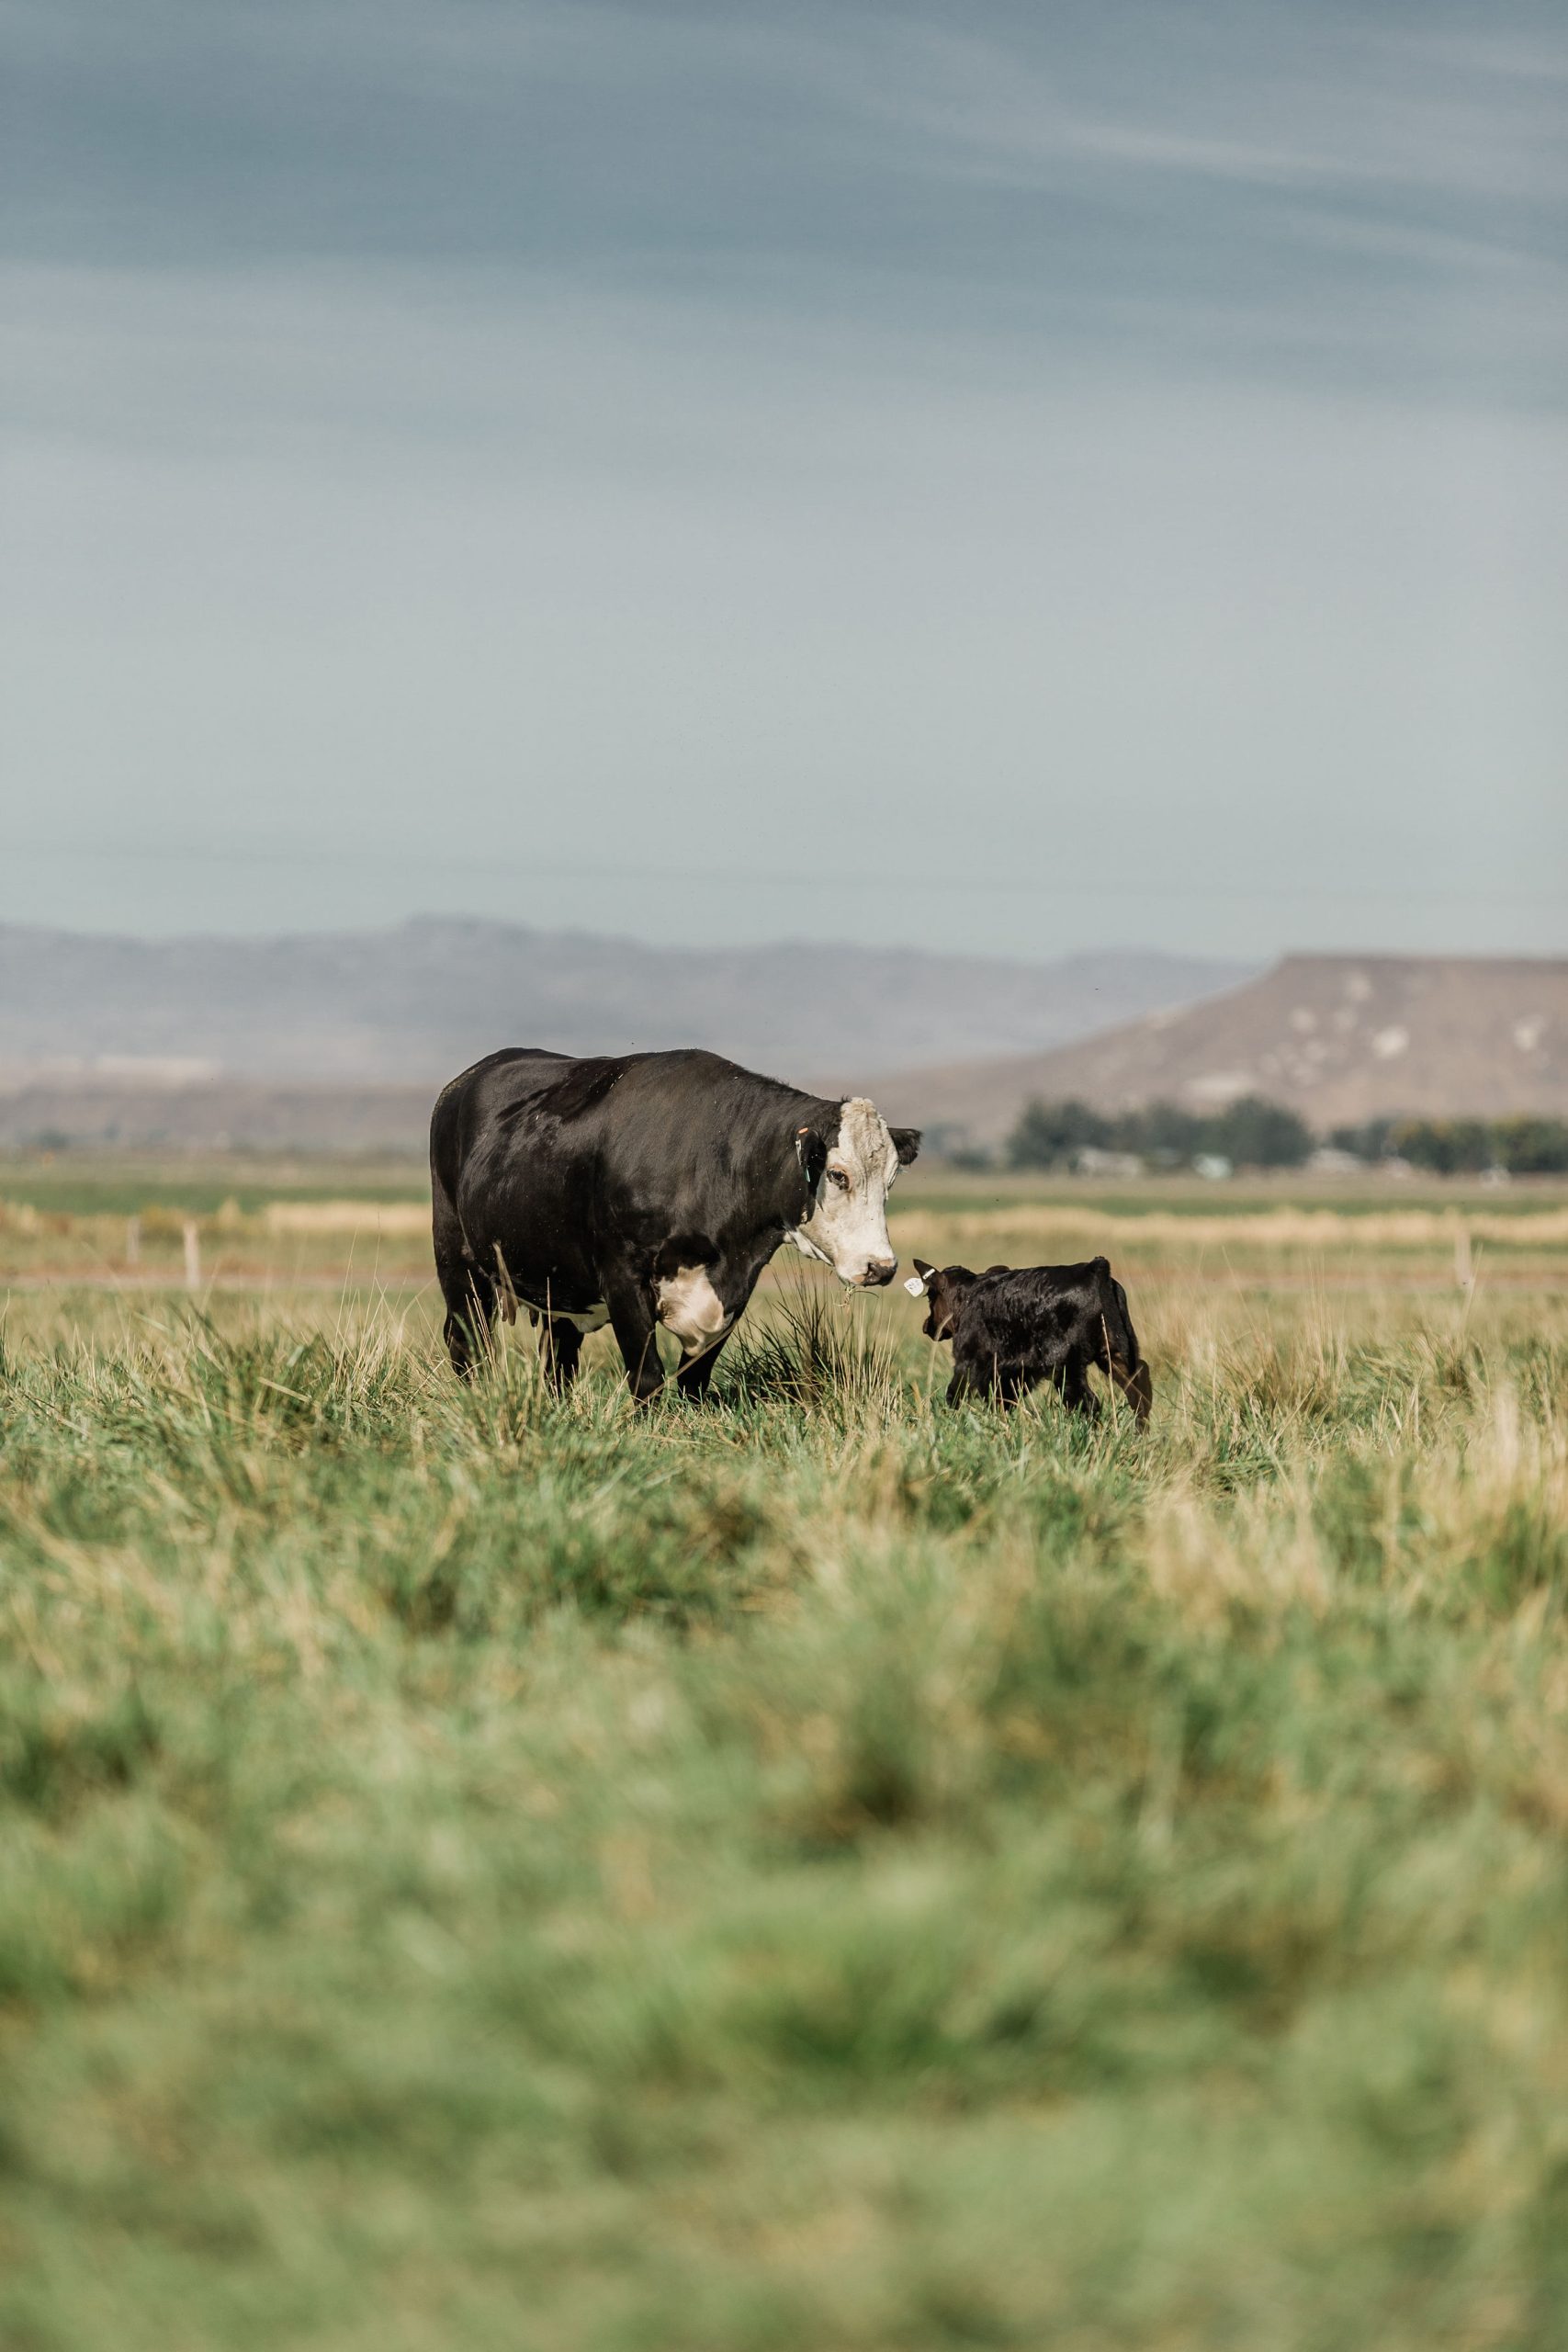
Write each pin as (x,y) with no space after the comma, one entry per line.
(813,1871)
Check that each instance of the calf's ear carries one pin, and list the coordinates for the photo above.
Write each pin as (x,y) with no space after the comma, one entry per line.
(811,1150)
(906,1143)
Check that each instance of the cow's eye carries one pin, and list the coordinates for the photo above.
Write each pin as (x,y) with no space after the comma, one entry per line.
(837,1176)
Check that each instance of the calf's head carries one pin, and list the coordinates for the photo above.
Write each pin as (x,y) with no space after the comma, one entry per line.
(849,1172)
(945,1289)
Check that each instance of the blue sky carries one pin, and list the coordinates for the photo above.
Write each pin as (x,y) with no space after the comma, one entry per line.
(1001,476)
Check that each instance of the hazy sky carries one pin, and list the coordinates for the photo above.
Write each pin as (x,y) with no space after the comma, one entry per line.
(1015,476)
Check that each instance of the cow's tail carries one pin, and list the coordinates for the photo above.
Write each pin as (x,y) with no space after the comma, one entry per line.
(1123,1362)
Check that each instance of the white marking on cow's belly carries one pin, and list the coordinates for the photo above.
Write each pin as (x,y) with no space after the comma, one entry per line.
(589,1320)
(593,1318)
(691,1309)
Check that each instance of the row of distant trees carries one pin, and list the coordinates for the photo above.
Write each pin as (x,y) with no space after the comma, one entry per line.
(1524,1147)
(1256,1133)
(1251,1132)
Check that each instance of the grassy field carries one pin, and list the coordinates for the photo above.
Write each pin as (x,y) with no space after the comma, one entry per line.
(816,1872)
(361,1226)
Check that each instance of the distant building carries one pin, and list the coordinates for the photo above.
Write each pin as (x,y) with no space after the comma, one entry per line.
(1090,1161)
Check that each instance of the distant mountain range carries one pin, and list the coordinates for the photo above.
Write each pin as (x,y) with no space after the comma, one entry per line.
(415,1004)
(1340,1038)
(340,1040)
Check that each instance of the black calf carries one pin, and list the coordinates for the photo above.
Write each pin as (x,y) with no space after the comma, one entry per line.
(1013,1327)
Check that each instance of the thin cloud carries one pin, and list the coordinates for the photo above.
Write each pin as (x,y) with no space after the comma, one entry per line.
(1364,108)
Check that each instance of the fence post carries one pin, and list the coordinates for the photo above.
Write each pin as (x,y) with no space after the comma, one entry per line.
(193,1255)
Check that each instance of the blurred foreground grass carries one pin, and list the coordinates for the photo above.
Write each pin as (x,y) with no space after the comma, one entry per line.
(811,1873)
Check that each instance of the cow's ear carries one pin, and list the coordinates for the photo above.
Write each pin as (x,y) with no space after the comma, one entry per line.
(906,1143)
(811,1150)
(920,1267)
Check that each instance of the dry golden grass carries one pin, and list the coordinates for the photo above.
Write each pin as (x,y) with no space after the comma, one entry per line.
(399,1218)
(1288,1229)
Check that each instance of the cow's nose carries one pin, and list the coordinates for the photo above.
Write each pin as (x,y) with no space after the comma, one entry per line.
(881,1270)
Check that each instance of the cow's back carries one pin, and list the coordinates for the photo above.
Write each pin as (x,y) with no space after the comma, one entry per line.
(500,1174)
(485,1093)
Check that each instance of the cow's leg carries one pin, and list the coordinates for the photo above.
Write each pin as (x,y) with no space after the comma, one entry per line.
(469,1294)
(561,1345)
(693,1378)
(632,1320)
(468,1290)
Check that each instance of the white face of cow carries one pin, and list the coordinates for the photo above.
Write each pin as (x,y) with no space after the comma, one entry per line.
(847,1229)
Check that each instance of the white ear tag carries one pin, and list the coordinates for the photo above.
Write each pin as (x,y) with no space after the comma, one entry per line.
(915,1286)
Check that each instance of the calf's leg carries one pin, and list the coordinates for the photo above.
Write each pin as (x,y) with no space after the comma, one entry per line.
(975,1376)
(1072,1386)
(1137,1385)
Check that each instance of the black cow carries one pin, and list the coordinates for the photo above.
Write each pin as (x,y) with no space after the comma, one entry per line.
(641,1190)
(1013,1327)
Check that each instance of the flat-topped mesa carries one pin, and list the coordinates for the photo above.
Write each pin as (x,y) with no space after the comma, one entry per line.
(1339,1039)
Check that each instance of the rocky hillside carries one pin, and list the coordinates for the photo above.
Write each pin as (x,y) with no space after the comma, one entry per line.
(1340,1038)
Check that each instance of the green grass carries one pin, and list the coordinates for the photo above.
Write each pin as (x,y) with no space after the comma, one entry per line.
(115,1183)
(817,1871)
